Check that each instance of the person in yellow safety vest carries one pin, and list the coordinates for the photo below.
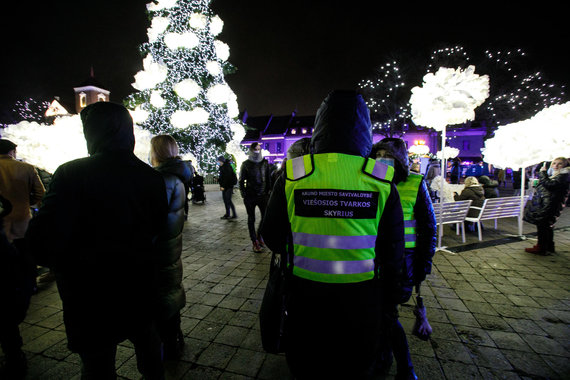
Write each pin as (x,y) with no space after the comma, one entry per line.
(338,216)
(421,239)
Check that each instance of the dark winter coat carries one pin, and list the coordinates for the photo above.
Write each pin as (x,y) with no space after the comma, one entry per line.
(490,187)
(228,177)
(171,295)
(97,229)
(476,194)
(548,199)
(254,179)
(418,260)
(346,314)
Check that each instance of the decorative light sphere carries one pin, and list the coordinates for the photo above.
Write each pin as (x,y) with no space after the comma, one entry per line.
(216,25)
(214,68)
(158,26)
(218,93)
(152,74)
(198,20)
(157,100)
(139,115)
(222,50)
(187,40)
(187,89)
(183,119)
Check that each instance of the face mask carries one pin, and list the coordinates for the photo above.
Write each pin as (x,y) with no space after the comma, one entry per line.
(386,161)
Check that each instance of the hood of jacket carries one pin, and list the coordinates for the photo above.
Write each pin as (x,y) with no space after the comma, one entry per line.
(477,190)
(397,149)
(177,167)
(108,127)
(342,125)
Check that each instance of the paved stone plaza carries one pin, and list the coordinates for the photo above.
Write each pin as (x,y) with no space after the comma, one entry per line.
(497,312)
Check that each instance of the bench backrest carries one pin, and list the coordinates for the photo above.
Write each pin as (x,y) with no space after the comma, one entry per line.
(502,207)
(451,212)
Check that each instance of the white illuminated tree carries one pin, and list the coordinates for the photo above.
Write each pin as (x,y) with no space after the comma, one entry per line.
(181,89)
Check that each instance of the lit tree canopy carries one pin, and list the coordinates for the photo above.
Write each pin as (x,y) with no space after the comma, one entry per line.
(182,90)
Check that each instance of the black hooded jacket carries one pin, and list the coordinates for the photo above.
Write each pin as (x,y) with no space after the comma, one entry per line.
(419,259)
(97,229)
(171,295)
(548,200)
(342,125)
(339,320)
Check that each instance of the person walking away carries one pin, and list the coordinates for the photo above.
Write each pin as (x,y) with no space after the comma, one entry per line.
(227,181)
(546,205)
(171,296)
(344,217)
(455,174)
(97,229)
(420,231)
(188,186)
(490,187)
(255,186)
(16,288)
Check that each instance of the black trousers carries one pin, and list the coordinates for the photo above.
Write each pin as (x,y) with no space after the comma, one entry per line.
(545,234)
(99,363)
(396,341)
(227,198)
(250,204)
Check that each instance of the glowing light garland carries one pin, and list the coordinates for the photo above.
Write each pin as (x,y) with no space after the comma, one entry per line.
(182,90)
(48,146)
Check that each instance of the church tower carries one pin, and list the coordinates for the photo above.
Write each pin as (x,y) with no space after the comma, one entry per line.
(89,92)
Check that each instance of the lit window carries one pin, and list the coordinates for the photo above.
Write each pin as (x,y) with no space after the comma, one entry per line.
(83,99)
(304,130)
(101,98)
(293,131)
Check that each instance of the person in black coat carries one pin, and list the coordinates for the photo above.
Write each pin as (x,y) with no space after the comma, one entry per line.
(227,180)
(333,330)
(171,296)
(255,186)
(97,229)
(17,277)
(417,260)
(547,203)
(490,187)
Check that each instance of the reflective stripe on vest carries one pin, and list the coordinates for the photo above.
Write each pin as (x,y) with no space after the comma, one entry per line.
(408,191)
(335,202)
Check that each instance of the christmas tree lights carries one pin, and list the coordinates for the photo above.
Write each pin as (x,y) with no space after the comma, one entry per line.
(182,90)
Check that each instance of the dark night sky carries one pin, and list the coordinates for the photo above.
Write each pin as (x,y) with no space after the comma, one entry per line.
(289,54)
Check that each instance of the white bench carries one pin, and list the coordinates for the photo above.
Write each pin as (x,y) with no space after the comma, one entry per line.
(451,213)
(495,208)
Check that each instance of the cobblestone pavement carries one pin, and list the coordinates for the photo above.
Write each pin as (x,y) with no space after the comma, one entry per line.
(497,312)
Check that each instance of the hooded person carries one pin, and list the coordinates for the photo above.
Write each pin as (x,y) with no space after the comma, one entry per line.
(421,240)
(96,229)
(255,186)
(490,187)
(335,216)
(227,180)
(547,203)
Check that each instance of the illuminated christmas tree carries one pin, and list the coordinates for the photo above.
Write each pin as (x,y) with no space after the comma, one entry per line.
(182,90)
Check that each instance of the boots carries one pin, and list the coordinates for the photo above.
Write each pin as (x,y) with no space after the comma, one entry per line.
(256,247)
(537,250)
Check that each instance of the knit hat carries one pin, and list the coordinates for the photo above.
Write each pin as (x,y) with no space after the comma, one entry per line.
(221,159)
(6,146)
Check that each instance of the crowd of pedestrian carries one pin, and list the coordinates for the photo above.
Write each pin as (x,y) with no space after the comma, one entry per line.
(354,222)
